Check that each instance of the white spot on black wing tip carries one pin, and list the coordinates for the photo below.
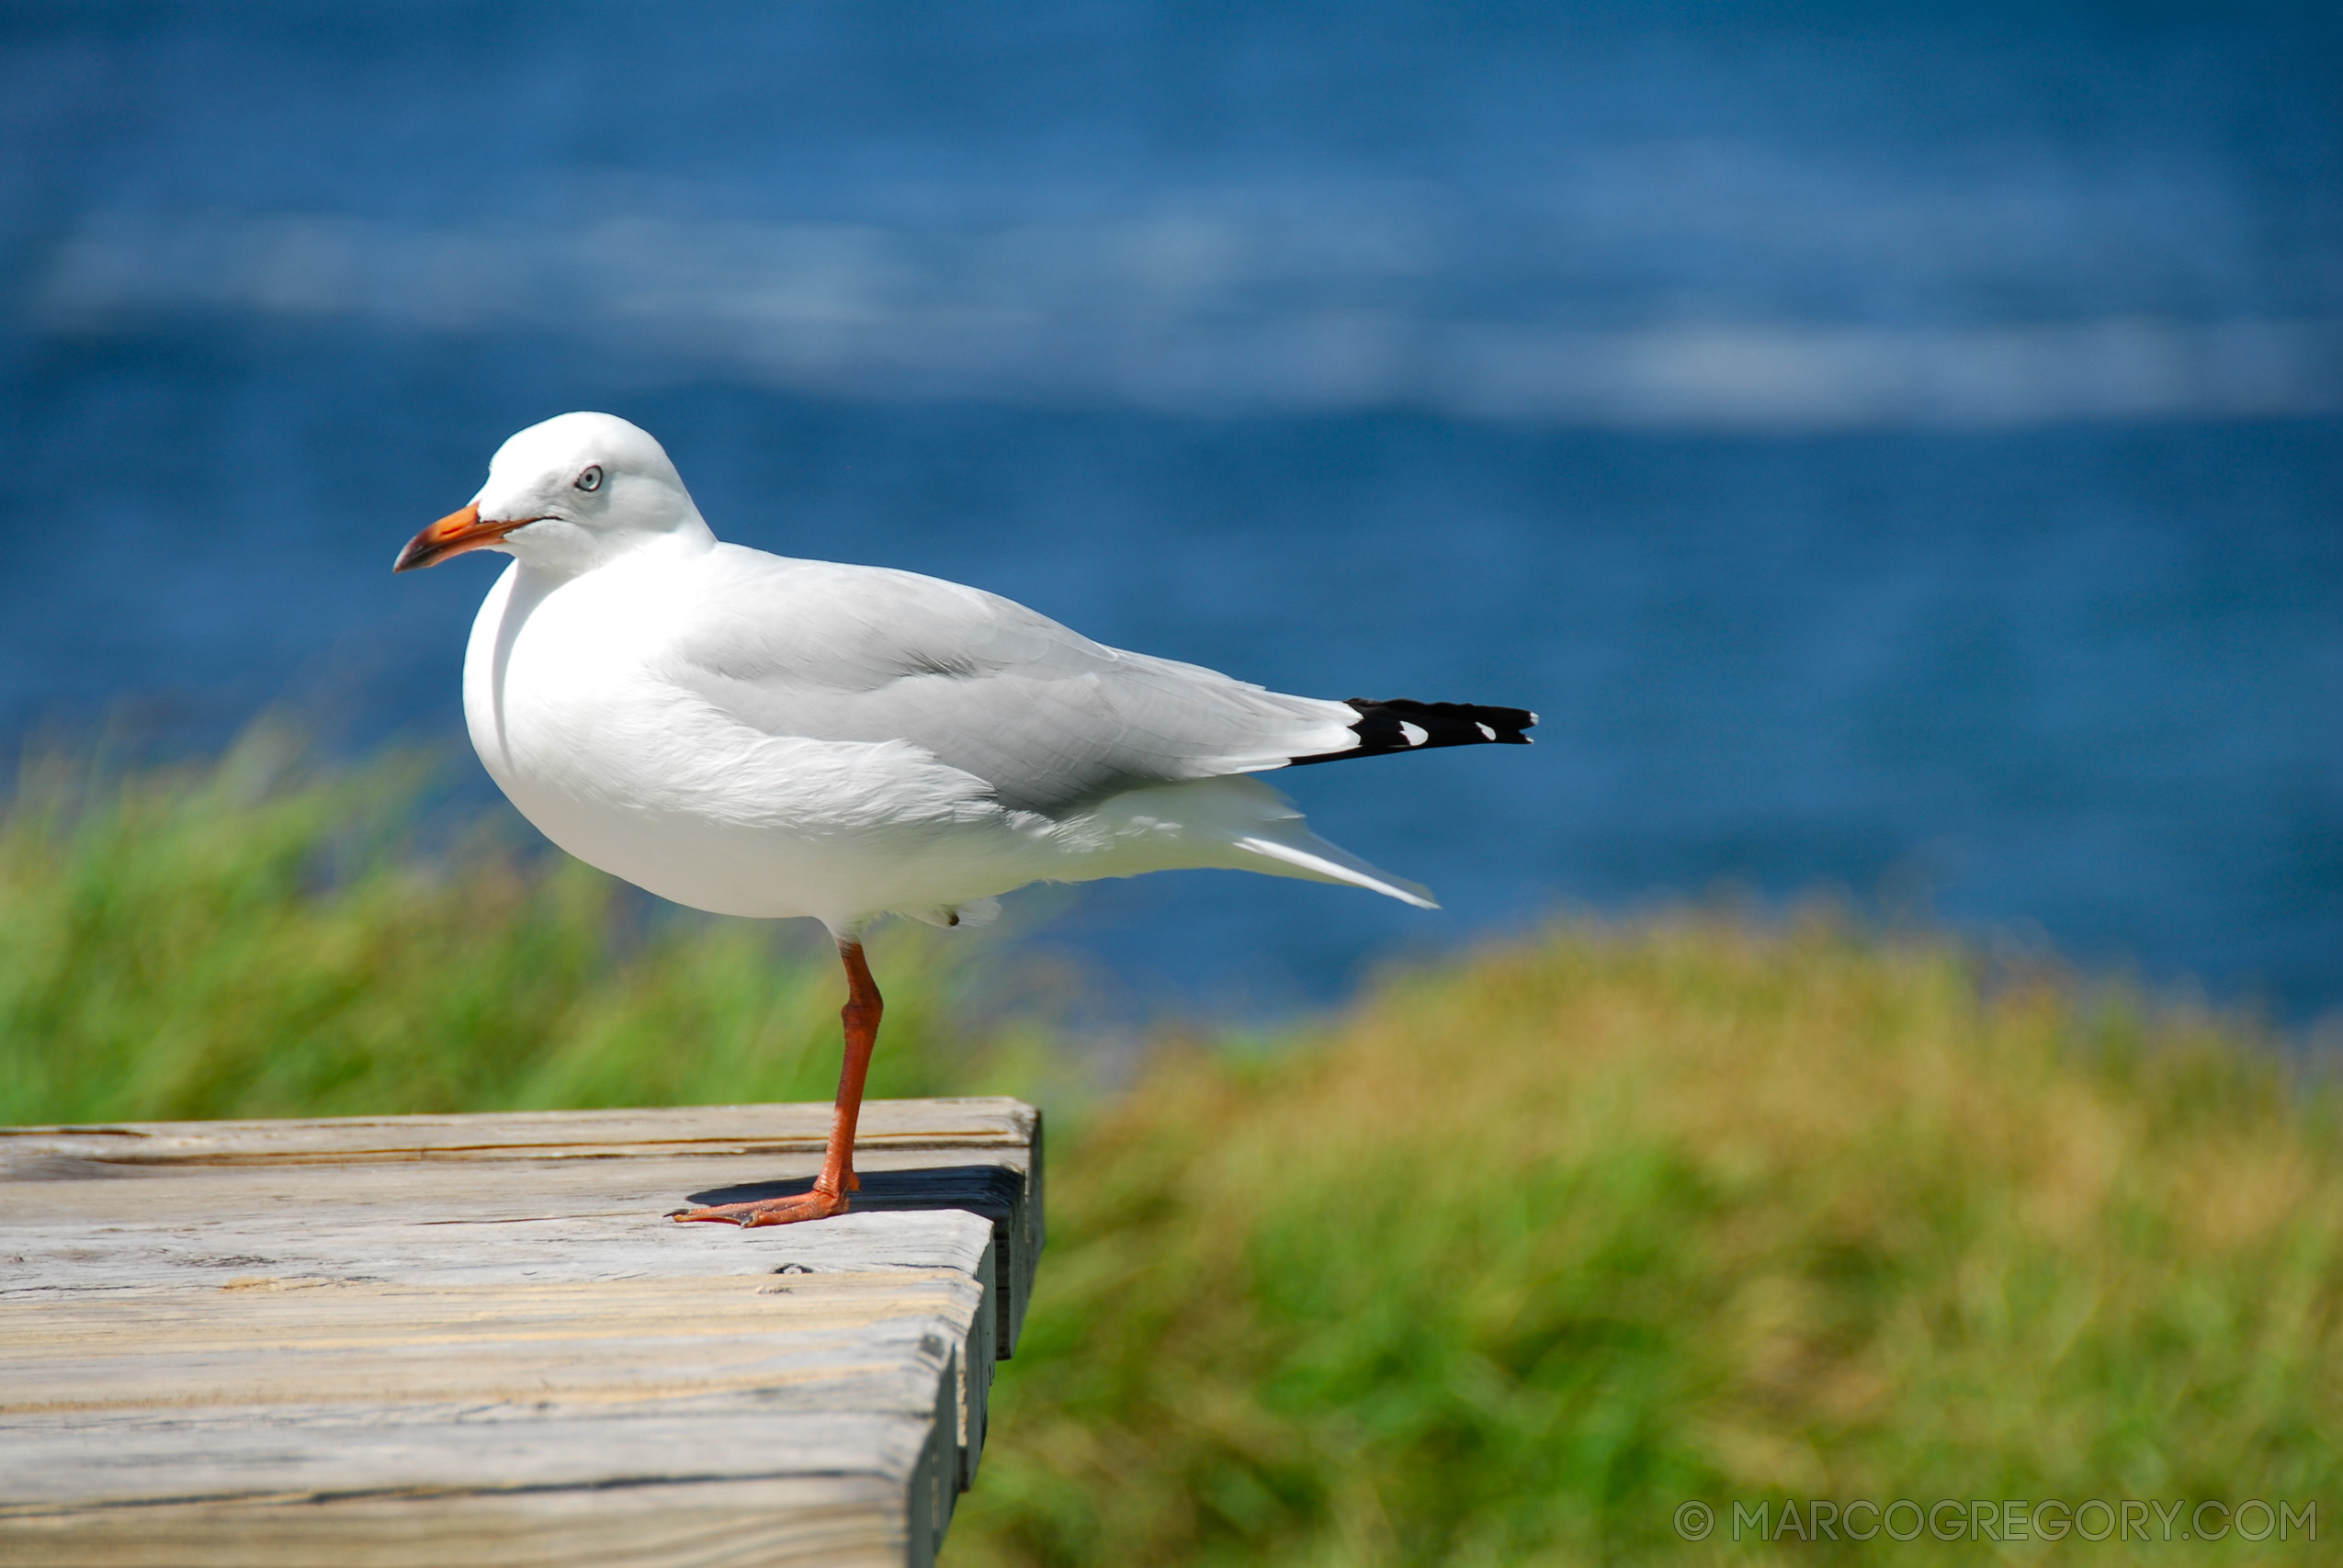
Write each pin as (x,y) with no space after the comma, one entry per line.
(1486,733)
(1416,735)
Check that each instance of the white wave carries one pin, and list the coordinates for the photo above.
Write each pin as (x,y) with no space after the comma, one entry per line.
(1224,308)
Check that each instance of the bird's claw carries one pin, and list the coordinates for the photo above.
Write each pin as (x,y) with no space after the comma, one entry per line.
(814,1205)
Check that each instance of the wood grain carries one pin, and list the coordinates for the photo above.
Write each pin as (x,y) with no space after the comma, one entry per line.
(477,1339)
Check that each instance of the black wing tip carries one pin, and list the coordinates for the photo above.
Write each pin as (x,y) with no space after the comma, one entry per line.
(1403,724)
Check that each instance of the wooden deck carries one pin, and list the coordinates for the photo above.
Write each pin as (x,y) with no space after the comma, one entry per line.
(475,1339)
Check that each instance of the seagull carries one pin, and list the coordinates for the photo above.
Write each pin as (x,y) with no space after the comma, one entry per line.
(753,735)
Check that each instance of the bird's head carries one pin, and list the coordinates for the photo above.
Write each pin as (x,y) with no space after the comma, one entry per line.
(566,496)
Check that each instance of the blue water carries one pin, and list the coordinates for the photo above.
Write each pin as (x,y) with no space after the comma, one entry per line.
(1901,457)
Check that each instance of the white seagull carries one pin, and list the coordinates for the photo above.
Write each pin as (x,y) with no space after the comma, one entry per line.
(754,735)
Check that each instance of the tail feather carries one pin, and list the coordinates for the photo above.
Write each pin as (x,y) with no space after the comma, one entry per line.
(1403,724)
(1236,821)
(1321,861)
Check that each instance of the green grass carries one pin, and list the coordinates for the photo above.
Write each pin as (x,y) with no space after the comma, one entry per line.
(1523,1253)
(262,937)
(1498,1268)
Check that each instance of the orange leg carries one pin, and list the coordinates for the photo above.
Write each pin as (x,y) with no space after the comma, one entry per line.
(837,1179)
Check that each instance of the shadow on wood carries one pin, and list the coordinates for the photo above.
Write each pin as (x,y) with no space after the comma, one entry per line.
(990,1192)
(987,1189)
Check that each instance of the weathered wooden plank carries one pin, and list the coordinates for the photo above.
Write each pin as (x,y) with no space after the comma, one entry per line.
(432,1339)
(774,1522)
(539,1134)
(695,1151)
(65,1463)
(625,1340)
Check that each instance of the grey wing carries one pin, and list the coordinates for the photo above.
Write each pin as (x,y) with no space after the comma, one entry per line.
(1045,717)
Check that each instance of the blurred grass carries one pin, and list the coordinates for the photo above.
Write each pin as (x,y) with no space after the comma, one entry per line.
(1498,1268)
(1525,1252)
(261,936)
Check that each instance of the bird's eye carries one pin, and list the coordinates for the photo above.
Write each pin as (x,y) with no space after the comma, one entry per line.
(591,479)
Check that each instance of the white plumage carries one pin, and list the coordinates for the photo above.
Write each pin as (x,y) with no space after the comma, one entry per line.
(755,735)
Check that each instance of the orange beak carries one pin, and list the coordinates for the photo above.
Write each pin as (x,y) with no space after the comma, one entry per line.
(452,536)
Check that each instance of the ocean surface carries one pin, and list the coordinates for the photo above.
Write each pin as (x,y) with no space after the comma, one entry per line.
(1900,455)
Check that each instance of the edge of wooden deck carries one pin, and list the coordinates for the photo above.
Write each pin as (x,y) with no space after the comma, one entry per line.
(122,1356)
